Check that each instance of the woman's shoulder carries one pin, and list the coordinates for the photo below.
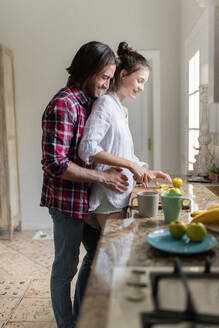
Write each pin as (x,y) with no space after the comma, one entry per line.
(104,99)
(104,102)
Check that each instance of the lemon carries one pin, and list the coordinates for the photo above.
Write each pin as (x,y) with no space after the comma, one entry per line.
(177,182)
(174,191)
(164,186)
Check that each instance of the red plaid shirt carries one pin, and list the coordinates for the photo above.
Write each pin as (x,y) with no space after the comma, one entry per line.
(63,123)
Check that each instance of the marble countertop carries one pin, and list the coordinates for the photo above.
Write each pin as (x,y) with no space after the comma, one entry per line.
(123,244)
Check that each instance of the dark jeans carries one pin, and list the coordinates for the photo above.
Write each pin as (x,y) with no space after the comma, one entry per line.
(68,235)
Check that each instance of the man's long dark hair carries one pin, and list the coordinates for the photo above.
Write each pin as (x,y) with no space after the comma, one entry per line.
(90,59)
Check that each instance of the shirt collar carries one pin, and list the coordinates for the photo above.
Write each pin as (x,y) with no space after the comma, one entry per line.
(85,101)
(116,98)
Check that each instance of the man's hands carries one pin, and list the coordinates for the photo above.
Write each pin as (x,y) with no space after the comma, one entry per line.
(114,179)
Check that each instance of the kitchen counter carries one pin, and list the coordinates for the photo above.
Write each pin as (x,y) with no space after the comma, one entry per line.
(123,244)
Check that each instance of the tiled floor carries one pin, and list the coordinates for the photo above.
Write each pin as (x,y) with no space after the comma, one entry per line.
(25,266)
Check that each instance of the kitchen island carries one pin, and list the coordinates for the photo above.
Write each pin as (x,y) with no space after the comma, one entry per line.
(123,244)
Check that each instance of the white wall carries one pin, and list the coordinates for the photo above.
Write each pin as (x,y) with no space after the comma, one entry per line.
(45,35)
(190,14)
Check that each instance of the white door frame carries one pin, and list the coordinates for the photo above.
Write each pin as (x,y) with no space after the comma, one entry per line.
(154,56)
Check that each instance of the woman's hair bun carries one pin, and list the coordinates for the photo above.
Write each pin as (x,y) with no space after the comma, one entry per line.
(123,49)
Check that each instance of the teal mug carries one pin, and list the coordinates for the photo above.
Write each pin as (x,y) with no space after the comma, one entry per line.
(172,205)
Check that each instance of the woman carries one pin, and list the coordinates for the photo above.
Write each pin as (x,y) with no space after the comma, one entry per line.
(107,140)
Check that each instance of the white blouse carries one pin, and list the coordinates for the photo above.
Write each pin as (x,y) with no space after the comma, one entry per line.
(107,130)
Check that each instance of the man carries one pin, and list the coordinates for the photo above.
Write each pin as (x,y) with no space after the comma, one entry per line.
(66,176)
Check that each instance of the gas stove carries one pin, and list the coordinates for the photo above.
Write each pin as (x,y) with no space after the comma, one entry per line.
(165,297)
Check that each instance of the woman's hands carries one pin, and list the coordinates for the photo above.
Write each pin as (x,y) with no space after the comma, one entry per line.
(143,175)
(162,175)
(139,172)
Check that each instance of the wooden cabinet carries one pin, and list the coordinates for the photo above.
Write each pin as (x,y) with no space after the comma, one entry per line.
(10,210)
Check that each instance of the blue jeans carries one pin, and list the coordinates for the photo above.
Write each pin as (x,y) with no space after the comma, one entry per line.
(68,235)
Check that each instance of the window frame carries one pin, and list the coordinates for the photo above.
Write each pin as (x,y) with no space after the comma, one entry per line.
(191,92)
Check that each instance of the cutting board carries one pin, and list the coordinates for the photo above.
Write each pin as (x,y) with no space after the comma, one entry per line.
(186,205)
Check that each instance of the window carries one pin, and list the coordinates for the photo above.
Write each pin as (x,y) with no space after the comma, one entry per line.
(193,115)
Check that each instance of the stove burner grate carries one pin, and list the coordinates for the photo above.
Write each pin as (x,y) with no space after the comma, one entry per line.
(190,315)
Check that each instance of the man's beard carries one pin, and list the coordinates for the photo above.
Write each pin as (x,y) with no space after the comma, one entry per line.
(90,89)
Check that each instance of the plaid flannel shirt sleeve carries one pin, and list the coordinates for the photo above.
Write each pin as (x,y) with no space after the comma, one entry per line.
(57,126)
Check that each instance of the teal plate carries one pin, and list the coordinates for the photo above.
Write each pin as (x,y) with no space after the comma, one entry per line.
(162,240)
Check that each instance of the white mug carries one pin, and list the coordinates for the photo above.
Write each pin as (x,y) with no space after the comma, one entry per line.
(147,203)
